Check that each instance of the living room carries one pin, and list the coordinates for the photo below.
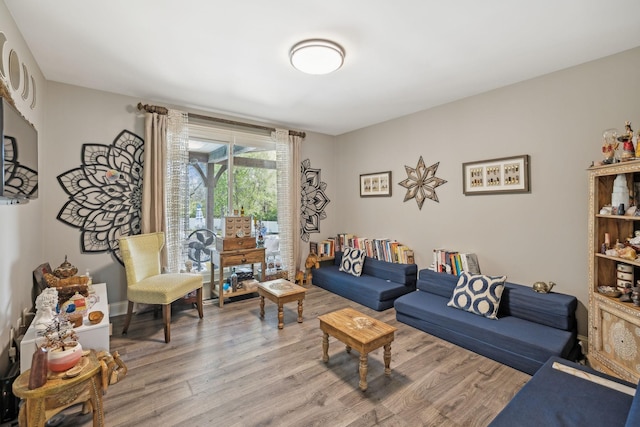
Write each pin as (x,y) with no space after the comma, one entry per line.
(557,118)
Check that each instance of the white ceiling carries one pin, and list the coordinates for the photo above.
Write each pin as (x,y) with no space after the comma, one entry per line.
(402,56)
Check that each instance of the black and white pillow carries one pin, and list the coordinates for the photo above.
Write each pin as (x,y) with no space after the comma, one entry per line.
(352,261)
(478,294)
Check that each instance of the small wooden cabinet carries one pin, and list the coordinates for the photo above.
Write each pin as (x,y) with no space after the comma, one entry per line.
(614,326)
(232,258)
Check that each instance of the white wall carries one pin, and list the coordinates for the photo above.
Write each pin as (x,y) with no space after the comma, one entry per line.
(557,119)
(77,116)
(20,225)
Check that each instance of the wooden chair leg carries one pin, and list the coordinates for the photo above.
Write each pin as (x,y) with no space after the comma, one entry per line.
(166,315)
(127,320)
(199,302)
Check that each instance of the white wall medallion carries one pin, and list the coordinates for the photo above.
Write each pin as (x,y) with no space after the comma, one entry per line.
(14,69)
(103,208)
(3,40)
(16,74)
(421,183)
(313,200)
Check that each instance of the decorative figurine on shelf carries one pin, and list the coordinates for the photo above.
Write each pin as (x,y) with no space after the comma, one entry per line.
(46,304)
(609,145)
(312,261)
(620,194)
(628,151)
(65,270)
(627,252)
(542,287)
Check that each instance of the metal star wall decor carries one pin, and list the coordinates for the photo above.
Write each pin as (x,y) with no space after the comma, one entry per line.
(421,183)
(313,200)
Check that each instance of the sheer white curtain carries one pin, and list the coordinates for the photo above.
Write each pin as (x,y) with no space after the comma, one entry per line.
(288,181)
(176,187)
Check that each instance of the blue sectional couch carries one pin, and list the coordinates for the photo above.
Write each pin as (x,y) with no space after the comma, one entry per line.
(531,327)
(554,398)
(377,288)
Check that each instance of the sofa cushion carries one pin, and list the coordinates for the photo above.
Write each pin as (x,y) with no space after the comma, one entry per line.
(405,274)
(352,261)
(552,309)
(478,294)
(555,398)
(633,418)
(373,292)
(524,340)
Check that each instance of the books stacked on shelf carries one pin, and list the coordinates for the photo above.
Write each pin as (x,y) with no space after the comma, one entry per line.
(452,262)
(323,249)
(381,249)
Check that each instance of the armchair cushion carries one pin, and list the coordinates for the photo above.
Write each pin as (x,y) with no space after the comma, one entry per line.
(163,288)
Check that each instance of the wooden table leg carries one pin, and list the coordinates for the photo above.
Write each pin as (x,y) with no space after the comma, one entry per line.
(35,412)
(387,359)
(325,347)
(220,291)
(261,306)
(280,316)
(300,310)
(96,400)
(364,367)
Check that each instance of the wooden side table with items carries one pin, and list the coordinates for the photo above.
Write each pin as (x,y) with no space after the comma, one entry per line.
(60,392)
(232,252)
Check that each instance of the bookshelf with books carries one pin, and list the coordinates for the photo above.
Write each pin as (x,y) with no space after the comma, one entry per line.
(382,249)
(453,262)
(325,249)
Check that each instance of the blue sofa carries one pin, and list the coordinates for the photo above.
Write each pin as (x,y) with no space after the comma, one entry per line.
(531,327)
(377,288)
(553,398)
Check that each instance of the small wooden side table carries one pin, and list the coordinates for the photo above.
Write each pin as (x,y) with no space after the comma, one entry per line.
(59,393)
(281,291)
(230,258)
(359,331)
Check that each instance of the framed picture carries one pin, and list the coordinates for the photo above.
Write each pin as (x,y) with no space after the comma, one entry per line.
(504,175)
(375,184)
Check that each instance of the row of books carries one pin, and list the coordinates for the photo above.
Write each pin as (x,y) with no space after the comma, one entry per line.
(325,248)
(445,261)
(381,249)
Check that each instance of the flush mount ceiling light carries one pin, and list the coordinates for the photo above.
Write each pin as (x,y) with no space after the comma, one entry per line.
(316,56)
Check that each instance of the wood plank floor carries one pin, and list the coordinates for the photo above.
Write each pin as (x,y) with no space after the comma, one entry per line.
(234,369)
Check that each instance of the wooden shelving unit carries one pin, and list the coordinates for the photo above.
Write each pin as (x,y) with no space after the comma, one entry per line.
(614,326)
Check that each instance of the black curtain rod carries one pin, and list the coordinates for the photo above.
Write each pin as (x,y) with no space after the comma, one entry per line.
(162,110)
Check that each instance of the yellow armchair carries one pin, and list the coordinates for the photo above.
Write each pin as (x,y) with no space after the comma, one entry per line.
(145,282)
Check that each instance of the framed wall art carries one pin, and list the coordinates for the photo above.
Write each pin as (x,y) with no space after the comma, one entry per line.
(375,184)
(496,176)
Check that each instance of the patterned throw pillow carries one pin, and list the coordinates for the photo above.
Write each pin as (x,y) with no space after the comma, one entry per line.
(478,294)
(352,261)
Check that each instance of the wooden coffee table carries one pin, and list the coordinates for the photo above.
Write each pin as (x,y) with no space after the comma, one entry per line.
(358,331)
(281,291)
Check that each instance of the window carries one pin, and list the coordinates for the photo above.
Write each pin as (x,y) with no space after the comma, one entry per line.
(231,172)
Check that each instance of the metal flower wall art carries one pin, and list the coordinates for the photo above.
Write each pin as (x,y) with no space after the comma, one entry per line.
(313,200)
(421,183)
(105,193)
